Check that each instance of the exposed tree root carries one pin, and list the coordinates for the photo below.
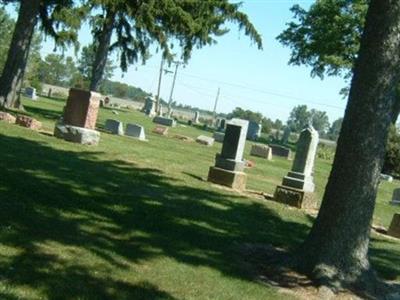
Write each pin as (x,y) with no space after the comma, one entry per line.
(277,267)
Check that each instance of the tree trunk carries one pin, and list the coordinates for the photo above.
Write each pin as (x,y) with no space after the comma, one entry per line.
(336,251)
(11,78)
(102,49)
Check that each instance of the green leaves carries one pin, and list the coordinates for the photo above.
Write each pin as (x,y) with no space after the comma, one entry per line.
(327,36)
(166,23)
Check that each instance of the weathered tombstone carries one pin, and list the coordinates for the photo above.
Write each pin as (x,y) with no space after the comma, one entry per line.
(164,121)
(136,131)
(396,197)
(80,116)
(394,229)
(286,135)
(229,165)
(106,101)
(161,130)
(298,187)
(49,92)
(254,131)
(196,117)
(205,140)
(221,125)
(7,117)
(261,151)
(150,107)
(281,151)
(114,126)
(219,136)
(28,122)
(183,138)
(82,108)
(78,135)
(30,92)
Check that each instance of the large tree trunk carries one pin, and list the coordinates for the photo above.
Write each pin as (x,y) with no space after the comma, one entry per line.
(11,78)
(102,49)
(336,250)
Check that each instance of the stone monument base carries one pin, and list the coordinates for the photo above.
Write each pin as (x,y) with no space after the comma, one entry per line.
(394,229)
(295,197)
(78,135)
(235,180)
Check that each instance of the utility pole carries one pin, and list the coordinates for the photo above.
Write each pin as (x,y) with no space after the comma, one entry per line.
(172,89)
(159,86)
(215,108)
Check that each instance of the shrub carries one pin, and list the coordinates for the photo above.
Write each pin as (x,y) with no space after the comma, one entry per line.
(392,157)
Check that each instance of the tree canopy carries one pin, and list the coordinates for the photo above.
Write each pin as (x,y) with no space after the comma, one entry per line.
(327,36)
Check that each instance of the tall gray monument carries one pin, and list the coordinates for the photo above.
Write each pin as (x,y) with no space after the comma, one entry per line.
(229,164)
(298,187)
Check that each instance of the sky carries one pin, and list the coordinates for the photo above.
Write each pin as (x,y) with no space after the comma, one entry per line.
(247,77)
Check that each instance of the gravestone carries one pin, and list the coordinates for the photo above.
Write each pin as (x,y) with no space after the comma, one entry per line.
(150,107)
(82,108)
(28,122)
(261,151)
(160,110)
(219,136)
(205,140)
(229,164)
(115,127)
(7,117)
(80,113)
(280,151)
(161,130)
(221,125)
(49,92)
(394,229)
(136,131)
(298,187)
(164,121)
(254,131)
(396,197)
(286,135)
(196,117)
(76,134)
(30,92)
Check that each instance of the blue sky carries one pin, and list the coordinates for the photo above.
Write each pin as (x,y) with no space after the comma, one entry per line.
(252,79)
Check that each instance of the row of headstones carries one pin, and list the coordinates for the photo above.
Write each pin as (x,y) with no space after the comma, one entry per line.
(297,188)
(132,130)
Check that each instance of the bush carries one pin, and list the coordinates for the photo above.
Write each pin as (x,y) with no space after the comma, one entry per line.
(392,157)
(325,152)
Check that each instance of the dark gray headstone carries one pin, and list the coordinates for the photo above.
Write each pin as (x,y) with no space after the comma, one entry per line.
(115,127)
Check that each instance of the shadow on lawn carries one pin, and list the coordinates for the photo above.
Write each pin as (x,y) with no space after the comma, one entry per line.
(56,206)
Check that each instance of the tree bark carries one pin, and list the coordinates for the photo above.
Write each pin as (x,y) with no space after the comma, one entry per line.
(336,251)
(17,57)
(102,49)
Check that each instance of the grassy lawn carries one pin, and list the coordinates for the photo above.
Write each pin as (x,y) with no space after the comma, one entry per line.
(137,220)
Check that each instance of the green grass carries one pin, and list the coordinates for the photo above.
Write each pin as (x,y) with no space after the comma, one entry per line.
(137,220)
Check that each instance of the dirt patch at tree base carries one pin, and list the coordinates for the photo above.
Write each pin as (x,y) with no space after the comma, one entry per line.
(272,266)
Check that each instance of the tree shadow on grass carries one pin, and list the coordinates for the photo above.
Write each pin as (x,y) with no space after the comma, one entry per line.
(74,226)
(49,114)
(58,205)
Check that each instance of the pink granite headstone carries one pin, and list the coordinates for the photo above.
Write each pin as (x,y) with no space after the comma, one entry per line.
(82,108)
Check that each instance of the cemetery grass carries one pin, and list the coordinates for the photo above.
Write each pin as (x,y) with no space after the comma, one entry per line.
(137,220)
